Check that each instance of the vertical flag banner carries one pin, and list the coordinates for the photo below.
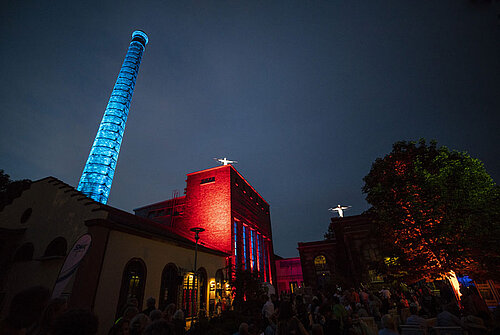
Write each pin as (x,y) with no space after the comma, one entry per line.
(71,264)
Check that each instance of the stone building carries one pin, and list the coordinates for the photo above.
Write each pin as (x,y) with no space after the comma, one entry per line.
(129,256)
(344,257)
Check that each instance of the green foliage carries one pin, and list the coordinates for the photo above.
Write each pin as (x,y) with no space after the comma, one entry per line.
(11,189)
(438,208)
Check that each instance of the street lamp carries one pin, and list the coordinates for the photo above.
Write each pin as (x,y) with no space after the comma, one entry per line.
(196,231)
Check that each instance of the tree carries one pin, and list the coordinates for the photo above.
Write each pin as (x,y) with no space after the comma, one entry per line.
(10,189)
(436,211)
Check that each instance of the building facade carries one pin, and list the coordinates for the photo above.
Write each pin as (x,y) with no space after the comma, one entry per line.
(289,275)
(234,215)
(130,256)
(345,257)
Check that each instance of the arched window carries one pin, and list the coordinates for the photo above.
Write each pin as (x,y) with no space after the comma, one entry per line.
(322,271)
(24,253)
(320,263)
(169,286)
(57,247)
(133,283)
(202,279)
(26,215)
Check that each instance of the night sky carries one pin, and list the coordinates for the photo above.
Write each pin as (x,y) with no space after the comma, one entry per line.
(305,95)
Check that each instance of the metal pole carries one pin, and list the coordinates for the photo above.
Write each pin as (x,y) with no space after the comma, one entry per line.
(193,294)
(195,275)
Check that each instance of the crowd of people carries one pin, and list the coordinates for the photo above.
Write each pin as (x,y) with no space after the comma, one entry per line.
(383,312)
(386,311)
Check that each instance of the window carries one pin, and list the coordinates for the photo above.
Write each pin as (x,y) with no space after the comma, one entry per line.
(235,244)
(203,280)
(320,263)
(24,253)
(244,247)
(207,180)
(133,283)
(26,215)
(189,294)
(170,281)
(57,247)
(254,250)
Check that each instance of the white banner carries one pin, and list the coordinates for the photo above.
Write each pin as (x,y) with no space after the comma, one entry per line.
(71,264)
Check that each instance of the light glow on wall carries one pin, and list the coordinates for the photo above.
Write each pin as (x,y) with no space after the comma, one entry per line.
(99,170)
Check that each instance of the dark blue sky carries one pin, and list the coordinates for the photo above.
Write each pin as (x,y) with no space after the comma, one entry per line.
(305,95)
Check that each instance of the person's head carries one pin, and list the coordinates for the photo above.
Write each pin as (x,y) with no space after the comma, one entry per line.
(138,323)
(243,329)
(150,302)
(388,322)
(169,311)
(155,314)
(133,302)
(130,312)
(76,322)
(27,306)
(179,315)
(160,327)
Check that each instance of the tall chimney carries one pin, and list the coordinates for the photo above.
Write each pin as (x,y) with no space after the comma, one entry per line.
(99,170)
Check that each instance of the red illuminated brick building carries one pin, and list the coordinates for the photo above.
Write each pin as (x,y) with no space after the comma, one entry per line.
(235,218)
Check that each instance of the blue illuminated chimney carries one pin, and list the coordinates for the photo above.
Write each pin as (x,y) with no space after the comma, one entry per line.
(98,173)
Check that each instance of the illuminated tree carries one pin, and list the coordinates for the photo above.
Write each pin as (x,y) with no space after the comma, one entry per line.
(436,211)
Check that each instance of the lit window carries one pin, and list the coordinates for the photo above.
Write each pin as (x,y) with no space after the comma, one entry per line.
(320,263)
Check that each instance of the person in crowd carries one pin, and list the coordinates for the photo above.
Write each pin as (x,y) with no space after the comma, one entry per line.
(129,313)
(358,327)
(374,304)
(361,311)
(414,319)
(242,329)
(138,324)
(270,328)
(160,327)
(75,322)
(388,326)
(121,327)
(339,312)
(355,296)
(474,325)
(449,316)
(179,322)
(155,315)
(301,310)
(268,308)
(25,311)
(287,322)
(150,306)
(55,308)
(168,313)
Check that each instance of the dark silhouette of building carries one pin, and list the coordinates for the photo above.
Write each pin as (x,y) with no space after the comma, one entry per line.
(345,257)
